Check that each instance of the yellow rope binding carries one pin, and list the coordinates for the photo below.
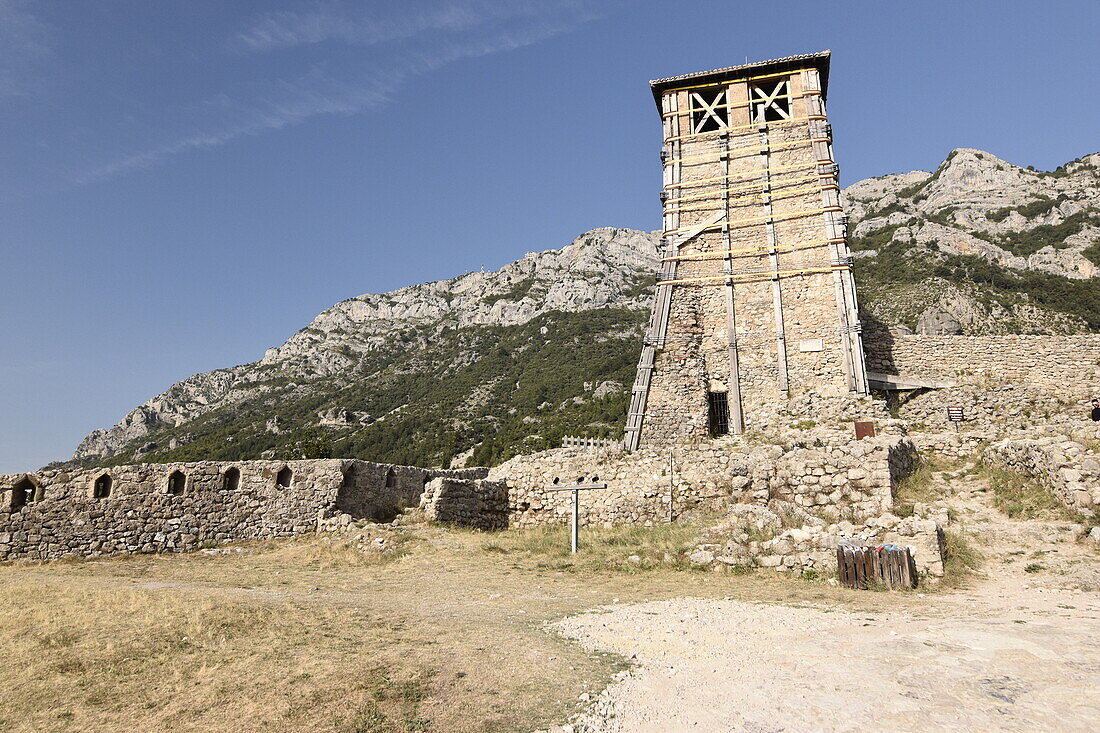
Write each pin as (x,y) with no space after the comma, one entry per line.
(721,254)
(763,275)
(722,225)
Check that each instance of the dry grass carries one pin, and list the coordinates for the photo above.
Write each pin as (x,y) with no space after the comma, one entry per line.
(920,487)
(101,658)
(961,559)
(1022,498)
(444,634)
(624,548)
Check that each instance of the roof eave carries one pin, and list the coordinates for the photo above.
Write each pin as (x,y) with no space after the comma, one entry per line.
(819,60)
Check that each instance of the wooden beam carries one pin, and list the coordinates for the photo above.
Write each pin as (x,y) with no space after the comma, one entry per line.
(881,380)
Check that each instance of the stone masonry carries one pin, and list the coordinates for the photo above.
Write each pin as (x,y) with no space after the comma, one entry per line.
(183,506)
(828,475)
(473,503)
(755,300)
(1068,469)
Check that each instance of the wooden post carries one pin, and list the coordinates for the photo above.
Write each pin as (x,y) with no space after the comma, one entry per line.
(737,418)
(773,248)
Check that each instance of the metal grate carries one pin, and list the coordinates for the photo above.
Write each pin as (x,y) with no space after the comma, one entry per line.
(719,413)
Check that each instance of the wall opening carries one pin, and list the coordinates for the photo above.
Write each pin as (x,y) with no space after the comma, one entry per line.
(771,101)
(231,479)
(285,477)
(350,477)
(177,481)
(391,479)
(23,493)
(709,111)
(718,413)
(101,489)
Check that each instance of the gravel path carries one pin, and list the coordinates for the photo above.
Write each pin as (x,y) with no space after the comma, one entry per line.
(1018,651)
(727,665)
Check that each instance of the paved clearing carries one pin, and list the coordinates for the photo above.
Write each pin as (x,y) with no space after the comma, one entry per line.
(1019,651)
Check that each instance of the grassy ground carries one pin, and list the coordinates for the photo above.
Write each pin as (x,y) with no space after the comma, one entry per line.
(1021,498)
(445,634)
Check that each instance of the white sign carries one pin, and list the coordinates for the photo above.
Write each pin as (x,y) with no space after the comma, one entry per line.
(811,345)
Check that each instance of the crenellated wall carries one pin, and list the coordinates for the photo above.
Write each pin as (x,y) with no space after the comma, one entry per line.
(55,513)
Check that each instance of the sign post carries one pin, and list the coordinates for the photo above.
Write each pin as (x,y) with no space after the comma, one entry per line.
(955,415)
(576,512)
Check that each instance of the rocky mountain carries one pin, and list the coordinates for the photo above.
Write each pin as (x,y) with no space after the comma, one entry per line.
(483,366)
(980,246)
(374,372)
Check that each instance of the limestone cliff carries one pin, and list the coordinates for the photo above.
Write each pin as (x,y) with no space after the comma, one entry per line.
(979,245)
(490,363)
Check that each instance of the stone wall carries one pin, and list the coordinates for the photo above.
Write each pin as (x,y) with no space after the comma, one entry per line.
(473,503)
(183,506)
(1066,367)
(1065,467)
(754,536)
(828,474)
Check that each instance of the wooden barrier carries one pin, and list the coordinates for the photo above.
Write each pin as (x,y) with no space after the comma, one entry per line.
(861,567)
(574,441)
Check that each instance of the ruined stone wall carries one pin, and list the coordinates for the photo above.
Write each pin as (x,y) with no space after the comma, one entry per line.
(838,479)
(183,506)
(753,536)
(1068,469)
(472,503)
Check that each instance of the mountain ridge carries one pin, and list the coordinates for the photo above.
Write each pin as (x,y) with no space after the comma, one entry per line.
(924,244)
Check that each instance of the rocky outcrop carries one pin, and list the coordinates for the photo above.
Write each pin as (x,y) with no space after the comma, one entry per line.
(974,203)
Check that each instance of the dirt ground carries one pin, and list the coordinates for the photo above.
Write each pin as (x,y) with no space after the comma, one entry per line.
(1017,650)
(460,631)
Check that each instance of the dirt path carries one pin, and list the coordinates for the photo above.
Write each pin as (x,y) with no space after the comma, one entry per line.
(1018,651)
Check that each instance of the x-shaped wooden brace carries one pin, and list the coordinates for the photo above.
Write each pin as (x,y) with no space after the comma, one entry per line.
(764,100)
(709,109)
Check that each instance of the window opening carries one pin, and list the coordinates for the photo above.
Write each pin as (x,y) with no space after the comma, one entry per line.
(709,111)
(22,493)
(718,413)
(176,483)
(284,478)
(349,478)
(391,479)
(771,101)
(231,479)
(102,487)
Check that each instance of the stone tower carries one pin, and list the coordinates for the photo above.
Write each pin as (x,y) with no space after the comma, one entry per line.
(755,303)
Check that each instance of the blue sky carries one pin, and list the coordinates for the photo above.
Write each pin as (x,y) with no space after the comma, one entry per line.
(185,184)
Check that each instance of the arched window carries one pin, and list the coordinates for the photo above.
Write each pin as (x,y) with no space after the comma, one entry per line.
(177,480)
(391,479)
(23,493)
(231,479)
(101,489)
(284,478)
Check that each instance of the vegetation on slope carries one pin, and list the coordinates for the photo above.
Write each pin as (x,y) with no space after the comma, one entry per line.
(504,390)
